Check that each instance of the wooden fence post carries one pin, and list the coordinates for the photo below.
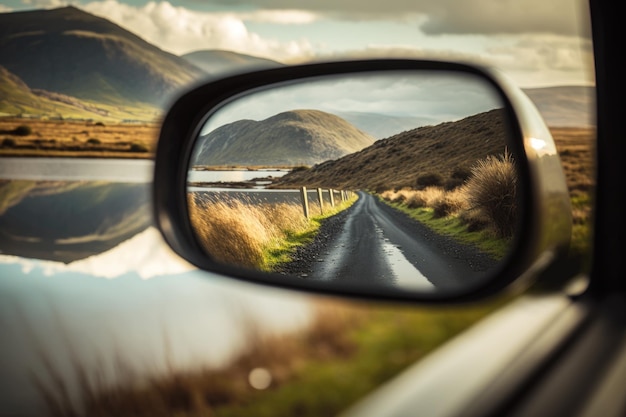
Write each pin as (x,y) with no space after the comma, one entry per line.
(305,201)
(321,199)
(332,197)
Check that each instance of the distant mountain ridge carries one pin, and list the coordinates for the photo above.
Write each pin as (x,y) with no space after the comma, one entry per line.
(382,126)
(565,106)
(219,62)
(298,137)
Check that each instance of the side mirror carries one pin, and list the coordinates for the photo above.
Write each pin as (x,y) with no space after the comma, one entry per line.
(394,179)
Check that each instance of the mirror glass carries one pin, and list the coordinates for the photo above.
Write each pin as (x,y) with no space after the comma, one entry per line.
(399,179)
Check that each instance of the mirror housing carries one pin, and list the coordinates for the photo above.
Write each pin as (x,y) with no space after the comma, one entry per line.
(544,221)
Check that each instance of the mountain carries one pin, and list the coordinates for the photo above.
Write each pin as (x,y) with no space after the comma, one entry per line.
(565,106)
(74,53)
(298,137)
(382,126)
(218,62)
(397,161)
(17,98)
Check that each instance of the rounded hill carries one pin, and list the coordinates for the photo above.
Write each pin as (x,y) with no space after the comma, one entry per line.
(297,137)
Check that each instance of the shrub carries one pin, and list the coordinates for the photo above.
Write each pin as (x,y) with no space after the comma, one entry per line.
(461,173)
(431,195)
(94,141)
(453,183)
(138,147)
(430,179)
(99,124)
(8,143)
(398,198)
(447,203)
(386,194)
(474,221)
(492,191)
(416,200)
(458,177)
(22,130)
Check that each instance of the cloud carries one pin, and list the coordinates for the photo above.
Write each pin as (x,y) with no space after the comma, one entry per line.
(529,60)
(5,9)
(180,30)
(434,96)
(281,17)
(404,52)
(450,16)
(546,52)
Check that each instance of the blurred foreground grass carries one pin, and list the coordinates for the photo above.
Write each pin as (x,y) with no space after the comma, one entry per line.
(348,350)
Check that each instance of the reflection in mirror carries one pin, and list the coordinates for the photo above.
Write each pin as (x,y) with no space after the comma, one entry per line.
(391,178)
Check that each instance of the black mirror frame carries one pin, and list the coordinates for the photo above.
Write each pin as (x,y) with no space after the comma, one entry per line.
(545,228)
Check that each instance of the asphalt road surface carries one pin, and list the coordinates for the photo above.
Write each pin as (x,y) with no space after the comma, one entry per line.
(372,242)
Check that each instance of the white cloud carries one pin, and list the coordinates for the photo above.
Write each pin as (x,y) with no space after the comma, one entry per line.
(450,16)
(436,97)
(404,51)
(535,60)
(529,60)
(180,30)
(5,9)
(281,17)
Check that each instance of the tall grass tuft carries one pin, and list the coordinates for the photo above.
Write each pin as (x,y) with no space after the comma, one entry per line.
(239,233)
(448,203)
(492,191)
(231,233)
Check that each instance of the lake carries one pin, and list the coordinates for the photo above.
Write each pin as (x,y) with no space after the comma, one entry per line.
(232,176)
(86,276)
(77,169)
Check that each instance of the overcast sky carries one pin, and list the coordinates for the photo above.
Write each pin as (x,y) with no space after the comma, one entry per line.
(438,97)
(536,42)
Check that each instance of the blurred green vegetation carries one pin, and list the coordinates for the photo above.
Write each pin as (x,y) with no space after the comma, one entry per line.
(347,351)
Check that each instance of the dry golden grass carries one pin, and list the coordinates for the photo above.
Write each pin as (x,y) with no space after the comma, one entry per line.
(576,147)
(238,233)
(79,139)
(492,191)
(486,199)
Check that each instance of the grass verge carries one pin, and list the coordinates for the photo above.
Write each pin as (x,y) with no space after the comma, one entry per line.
(455,228)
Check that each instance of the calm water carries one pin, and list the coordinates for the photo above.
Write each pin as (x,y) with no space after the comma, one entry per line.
(77,169)
(232,176)
(120,294)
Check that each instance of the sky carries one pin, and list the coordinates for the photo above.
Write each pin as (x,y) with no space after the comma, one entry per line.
(437,97)
(535,42)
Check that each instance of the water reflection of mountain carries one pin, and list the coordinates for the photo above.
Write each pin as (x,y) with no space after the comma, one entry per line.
(66,221)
